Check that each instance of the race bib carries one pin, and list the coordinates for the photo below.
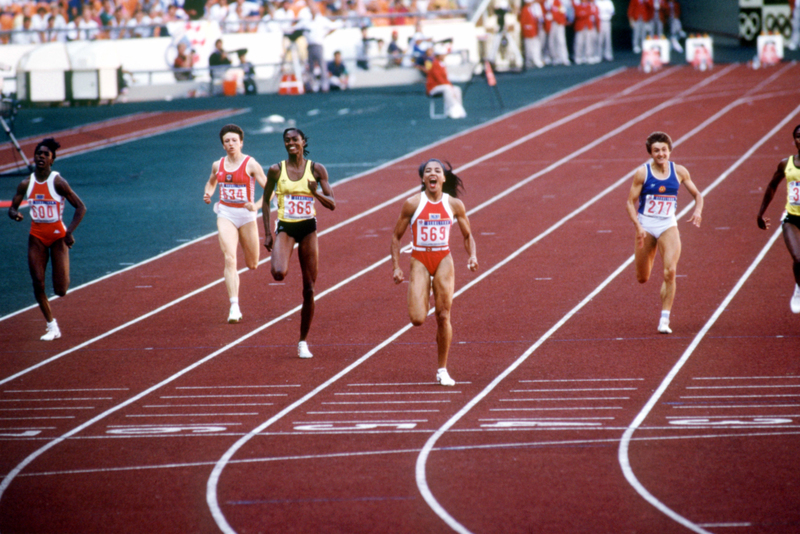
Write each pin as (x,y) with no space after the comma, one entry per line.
(233,193)
(44,211)
(661,206)
(794,193)
(298,207)
(433,233)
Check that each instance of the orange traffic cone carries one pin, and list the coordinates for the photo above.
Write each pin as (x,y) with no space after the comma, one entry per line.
(290,85)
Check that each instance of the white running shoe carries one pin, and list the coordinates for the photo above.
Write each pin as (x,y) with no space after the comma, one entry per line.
(443,378)
(663,326)
(52,332)
(795,302)
(302,350)
(235,315)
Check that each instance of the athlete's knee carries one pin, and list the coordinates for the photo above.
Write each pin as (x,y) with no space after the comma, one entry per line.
(308,292)
(230,260)
(642,277)
(417,320)
(670,273)
(252,265)
(61,289)
(443,316)
(277,274)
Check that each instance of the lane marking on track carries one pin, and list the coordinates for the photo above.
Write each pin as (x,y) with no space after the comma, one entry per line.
(211,487)
(353,219)
(375,170)
(422,459)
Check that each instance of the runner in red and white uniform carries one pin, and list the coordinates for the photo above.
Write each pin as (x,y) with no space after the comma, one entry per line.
(237,210)
(431,214)
(298,183)
(789,171)
(652,203)
(46,192)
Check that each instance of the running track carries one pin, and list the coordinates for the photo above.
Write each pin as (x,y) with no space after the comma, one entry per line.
(571,414)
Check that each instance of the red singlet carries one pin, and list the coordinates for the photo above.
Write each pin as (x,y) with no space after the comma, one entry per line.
(236,187)
(430,231)
(47,208)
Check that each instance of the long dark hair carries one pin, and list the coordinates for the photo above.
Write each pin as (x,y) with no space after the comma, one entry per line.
(298,130)
(453,185)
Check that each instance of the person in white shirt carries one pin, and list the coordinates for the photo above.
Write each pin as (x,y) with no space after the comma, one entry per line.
(315,30)
(606,10)
(25,35)
(139,25)
(87,27)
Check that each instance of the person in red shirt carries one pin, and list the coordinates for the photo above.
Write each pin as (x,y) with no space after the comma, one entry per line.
(431,214)
(46,190)
(555,11)
(640,16)
(531,17)
(438,83)
(585,31)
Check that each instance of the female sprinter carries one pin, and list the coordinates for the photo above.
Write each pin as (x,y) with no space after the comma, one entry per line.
(431,213)
(236,174)
(652,203)
(297,181)
(45,190)
(789,170)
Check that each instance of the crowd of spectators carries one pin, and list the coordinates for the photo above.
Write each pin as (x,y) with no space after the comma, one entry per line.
(34,22)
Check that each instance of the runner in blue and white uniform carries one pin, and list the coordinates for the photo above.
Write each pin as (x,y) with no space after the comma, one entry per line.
(652,204)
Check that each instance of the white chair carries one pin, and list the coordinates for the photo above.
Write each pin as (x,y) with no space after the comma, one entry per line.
(433,99)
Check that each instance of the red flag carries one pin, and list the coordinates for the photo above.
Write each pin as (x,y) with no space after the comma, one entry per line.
(489,74)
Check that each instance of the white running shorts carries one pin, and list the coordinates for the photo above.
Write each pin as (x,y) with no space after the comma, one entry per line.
(238,216)
(656,226)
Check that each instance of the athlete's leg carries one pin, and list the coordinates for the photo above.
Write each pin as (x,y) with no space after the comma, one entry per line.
(791,236)
(228,241)
(248,238)
(38,255)
(419,292)
(281,254)
(644,257)
(443,288)
(59,260)
(308,253)
(669,245)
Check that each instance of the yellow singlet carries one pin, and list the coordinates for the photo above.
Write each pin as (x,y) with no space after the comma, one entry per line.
(792,174)
(295,201)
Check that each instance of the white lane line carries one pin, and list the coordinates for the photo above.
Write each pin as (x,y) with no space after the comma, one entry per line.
(728,416)
(57,400)
(789,377)
(246,395)
(60,390)
(192,414)
(624,445)
(390,402)
(375,170)
(398,384)
(47,408)
(781,386)
(559,409)
(572,389)
(402,393)
(371,411)
(390,202)
(240,387)
(717,407)
(35,418)
(585,380)
(566,399)
(738,396)
(422,458)
(208,405)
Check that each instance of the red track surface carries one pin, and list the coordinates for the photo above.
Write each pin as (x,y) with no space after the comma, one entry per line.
(178,422)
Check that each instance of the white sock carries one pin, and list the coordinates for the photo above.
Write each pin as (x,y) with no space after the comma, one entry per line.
(234,301)
(52,323)
(665,315)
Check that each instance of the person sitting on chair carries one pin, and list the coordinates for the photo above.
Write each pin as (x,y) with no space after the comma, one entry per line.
(438,83)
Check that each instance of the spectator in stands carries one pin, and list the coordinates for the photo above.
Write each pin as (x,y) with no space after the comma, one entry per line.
(25,35)
(555,11)
(87,27)
(398,7)
(139,25)
(605,10)
(395,52)
(584,32)
(438,83)
(219,58)
(55,30)
(248,73)
(218,12)
(315,30)
(363,53)
(640,16)
(531,17)
(119,24)
(184,61)
(337,72)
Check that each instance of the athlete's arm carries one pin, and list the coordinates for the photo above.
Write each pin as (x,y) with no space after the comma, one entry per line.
(22,188)
(63,189)
(409,207)
(780,174)
(460,213)
(273,175)
(686,180)
(211,184)
(320,174)
(256,171)
(632,204)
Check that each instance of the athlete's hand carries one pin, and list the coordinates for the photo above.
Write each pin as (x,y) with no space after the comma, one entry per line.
(398,276)
(207,198)
(641,235)
(69,240)
(763,222)
(268,242)
(249,206)
(312,186)
(695,219)
(15,215)
(472,264)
